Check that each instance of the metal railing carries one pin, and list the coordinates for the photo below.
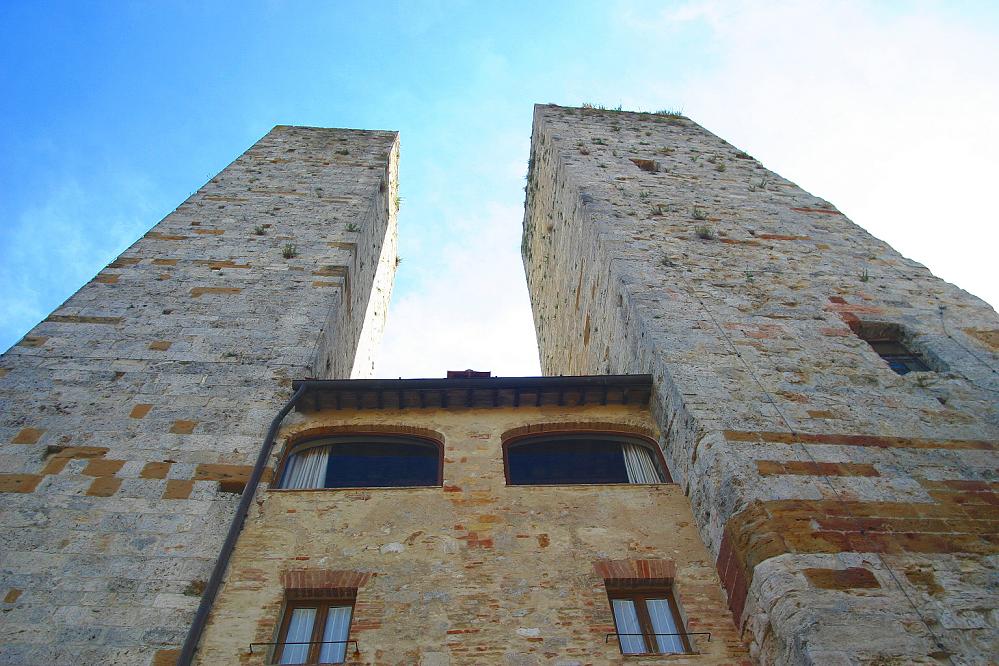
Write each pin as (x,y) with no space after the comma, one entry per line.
(271,645)
(680,633)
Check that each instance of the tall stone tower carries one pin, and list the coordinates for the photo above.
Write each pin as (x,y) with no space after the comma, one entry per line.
(851,508)
(131,415)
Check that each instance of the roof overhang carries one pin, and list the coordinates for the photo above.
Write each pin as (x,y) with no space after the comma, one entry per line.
(474,392)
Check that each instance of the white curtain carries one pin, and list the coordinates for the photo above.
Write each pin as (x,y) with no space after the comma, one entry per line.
(306,469)
(335,634)
(299,631)
(629,633)
(663,623)
(640,465)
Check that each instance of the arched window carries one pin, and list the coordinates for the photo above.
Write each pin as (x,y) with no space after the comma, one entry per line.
(583,458)
(362,461)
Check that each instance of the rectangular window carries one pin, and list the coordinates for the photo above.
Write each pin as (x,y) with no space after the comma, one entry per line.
(648,622)
(898,357)
(314,632)
(886,339)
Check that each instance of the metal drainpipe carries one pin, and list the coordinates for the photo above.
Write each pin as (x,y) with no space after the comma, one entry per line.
(222,563)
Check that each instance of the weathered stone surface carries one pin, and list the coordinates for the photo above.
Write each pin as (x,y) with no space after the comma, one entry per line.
(650,245)
(131,414)
(474,571)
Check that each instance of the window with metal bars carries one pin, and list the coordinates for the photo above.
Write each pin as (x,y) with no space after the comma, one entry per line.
(648,622)
(314,632)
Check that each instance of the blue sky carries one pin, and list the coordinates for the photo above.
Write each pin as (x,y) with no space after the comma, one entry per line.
(114,112)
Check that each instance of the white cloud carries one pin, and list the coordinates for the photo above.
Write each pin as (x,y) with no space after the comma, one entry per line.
(470,310)
(893,117)
(48,253)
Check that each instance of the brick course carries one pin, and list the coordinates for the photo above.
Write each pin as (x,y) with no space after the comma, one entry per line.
(131,414)
(776,417)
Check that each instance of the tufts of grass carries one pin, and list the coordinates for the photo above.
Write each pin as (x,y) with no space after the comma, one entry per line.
(703,232)
(670,113)
(699,213)
(289,251)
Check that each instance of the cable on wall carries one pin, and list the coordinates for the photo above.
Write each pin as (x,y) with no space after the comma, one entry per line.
(807,451)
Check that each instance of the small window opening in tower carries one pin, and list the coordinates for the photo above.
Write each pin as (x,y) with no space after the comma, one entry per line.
(886,340)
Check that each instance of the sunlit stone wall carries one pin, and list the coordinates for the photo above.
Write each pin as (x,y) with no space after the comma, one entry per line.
(851,511)
(132,414)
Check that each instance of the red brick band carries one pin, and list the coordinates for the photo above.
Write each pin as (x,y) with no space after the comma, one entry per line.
(323,583)
(636,573)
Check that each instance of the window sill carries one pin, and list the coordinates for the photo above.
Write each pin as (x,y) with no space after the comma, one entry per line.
(658,657)
(352,488)
(589,485)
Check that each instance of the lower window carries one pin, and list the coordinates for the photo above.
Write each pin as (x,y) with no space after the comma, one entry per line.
(648,622)
(314,633)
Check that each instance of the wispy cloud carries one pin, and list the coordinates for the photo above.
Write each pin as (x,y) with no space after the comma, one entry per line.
(469,309)
(51,249)
(890,112)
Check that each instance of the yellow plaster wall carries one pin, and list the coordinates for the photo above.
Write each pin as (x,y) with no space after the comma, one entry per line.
(474,572)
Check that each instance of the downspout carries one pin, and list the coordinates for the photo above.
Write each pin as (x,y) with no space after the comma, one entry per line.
(222,563)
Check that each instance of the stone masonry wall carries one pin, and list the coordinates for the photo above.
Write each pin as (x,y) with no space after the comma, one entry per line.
(131,415)
(474,571)
(851,511)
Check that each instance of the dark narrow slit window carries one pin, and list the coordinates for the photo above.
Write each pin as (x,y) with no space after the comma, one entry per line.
(886,341)
(898,357)
(579,459)
(362,462)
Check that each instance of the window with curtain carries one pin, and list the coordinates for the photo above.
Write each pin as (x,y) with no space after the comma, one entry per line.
(648,622)
(362,462)
(314,633)
(583,458)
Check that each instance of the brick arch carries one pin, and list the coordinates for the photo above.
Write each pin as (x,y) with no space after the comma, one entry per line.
(300,436)
(323,583)
(635,573)
(602,427)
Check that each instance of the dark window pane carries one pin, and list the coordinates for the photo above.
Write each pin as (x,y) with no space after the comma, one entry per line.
(381,465)
(898,357)
(567,461)
(888,347)
(898,365)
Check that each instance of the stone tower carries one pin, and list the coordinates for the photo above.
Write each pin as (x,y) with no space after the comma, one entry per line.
(132,414)
(851,510)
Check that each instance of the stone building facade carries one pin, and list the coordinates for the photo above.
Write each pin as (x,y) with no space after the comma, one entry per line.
(851,510)
(470,569)
(131,415)
(826,409)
